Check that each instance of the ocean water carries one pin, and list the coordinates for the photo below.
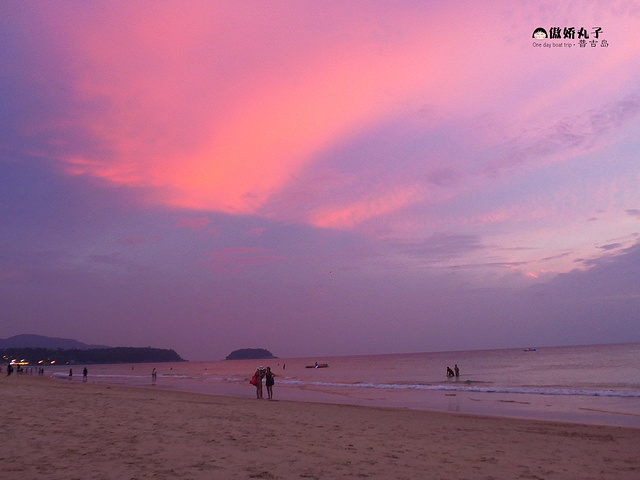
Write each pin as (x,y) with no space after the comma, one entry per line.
(596,384)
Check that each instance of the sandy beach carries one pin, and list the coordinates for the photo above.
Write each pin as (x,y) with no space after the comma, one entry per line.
(53,429)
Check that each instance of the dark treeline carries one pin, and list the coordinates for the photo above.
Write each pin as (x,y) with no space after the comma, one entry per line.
(91,356)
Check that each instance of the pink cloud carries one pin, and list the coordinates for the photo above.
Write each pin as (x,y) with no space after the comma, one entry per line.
(220,107)
(349,215)
(239,259)
(132,241)
(197,223)
(257,232)
(220,122)
(12,274)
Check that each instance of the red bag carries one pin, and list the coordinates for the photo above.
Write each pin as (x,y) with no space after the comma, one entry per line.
(254,380)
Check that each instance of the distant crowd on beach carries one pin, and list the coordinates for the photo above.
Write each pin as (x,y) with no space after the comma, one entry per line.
(453,373)
(268,376)
(24,370)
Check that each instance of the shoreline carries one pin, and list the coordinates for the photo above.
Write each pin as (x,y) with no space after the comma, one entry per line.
(546,386)
(62,430)
(622,412)
(480,404)
(561,418)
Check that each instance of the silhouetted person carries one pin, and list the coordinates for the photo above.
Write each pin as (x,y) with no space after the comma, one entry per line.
(85,372)
(457,370)
(269,382)
(450,372)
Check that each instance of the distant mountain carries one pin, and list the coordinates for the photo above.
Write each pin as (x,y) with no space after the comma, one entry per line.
(40,341)
(250,353)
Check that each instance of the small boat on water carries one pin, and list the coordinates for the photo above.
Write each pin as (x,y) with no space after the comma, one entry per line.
(318,365)
(529,350)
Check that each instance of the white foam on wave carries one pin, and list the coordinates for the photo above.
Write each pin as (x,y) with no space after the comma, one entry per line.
(456,388)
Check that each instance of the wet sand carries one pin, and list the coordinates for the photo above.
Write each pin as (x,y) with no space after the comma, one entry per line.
(54,429)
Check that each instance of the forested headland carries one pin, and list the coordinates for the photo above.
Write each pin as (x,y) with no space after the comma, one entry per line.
(50,356)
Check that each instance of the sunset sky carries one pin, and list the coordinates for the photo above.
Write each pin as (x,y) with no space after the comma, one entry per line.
(319,178)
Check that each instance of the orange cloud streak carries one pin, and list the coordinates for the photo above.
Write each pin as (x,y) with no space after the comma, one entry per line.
(357,212)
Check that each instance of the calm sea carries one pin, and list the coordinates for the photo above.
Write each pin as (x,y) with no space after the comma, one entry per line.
(596,384)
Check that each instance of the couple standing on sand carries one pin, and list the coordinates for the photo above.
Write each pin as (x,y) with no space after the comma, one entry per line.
(256,380)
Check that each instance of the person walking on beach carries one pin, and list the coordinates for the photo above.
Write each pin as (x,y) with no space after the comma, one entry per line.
(269,382)
(85,372)
(154,376)
(70,373)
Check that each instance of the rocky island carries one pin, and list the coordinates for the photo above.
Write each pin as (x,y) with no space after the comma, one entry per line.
(250,354)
